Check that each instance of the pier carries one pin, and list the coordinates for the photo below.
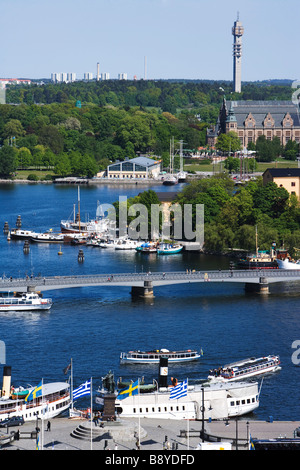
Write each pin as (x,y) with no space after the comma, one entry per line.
(143,284)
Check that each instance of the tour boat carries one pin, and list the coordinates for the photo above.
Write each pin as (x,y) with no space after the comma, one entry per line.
(24,301)
(261,259)
(54,399)
(153,357)
(207,401)
(245,369)
(168,249)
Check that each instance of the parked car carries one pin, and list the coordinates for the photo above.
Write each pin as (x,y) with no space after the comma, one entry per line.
(14,421)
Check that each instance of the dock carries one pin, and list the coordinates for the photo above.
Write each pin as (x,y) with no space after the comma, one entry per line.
(154,434)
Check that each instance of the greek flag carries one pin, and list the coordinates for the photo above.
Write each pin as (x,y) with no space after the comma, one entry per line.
(82,390)
(179,391)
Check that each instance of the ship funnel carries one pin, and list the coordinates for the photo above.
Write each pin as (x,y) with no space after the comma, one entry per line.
(163,372)
(6,381)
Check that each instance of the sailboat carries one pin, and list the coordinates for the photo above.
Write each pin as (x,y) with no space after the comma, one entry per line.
(181,176)
(171,179)
(259,259)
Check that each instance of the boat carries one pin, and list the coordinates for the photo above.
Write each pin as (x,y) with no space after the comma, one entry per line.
(147,247)
(169,248)
(24,301)
(99,225)
(153,357)
(261,259)
(199,401)
(47,237)
(110,243)
(127,244)
(181,177)
(170,180)
(55,399)
(245,369)
(288,264)
(21,234)
(202,401)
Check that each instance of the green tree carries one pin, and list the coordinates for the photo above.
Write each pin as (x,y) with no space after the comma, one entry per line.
(8,161)
(229,142)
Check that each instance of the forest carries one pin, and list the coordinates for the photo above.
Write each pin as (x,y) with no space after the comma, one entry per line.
(79,128)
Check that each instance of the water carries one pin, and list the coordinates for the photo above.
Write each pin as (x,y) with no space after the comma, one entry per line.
(93,325)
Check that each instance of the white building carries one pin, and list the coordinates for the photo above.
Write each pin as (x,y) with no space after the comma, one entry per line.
(88,76)
(105,76)
(139,167)
(122,76)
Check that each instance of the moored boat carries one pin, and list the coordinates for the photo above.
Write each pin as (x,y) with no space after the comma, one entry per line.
(47,237)
(288,264)
(24,301)
(169,248)
(51,400)
(21,234)
(147,247)
(153,357)
(245,369)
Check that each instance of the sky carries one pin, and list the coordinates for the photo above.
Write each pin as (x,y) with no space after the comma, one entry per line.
(176,39)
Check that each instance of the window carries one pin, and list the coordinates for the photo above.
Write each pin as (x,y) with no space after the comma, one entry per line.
(293,184)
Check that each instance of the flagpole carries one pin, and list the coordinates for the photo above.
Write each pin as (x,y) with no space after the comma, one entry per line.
(188,422)
(42,443)
(91,415)
(71,384)
(139,412)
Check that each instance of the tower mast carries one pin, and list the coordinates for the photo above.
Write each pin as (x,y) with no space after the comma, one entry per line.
(237,32)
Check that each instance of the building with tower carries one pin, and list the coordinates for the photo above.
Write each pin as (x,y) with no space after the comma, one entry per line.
(237,32)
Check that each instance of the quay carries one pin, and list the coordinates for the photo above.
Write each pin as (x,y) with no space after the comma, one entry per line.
(142,284)
(75,434)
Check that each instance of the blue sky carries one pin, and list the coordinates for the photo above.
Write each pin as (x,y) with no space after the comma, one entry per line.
(180,38)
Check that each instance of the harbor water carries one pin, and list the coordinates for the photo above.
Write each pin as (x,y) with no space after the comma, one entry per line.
(93,325)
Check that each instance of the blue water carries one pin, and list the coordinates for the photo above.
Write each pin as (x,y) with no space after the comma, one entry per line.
(93,325)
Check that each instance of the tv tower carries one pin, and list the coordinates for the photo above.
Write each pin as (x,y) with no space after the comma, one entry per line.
(237,32)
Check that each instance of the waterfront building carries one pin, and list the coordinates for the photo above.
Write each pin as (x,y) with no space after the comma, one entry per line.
(139,167)
(252,119)
(287,178)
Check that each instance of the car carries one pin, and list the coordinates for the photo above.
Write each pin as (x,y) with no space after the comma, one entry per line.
(14,421)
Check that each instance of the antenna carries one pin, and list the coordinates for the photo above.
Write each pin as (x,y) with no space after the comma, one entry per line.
(238,16)
(145,68)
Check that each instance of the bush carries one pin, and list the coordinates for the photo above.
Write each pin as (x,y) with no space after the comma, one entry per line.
(32,177)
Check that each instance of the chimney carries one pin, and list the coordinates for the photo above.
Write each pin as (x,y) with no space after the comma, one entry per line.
(6,381)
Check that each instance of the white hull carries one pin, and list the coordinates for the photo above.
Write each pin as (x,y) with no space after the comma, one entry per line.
(221,401)
(27,302)
(52,404)
(267,370)
(156,361)
(153,357)
(287,264)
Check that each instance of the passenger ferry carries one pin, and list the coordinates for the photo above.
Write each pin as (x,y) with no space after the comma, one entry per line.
(153,357)
(24,301)
(217,400)
(245,369)
(54,400)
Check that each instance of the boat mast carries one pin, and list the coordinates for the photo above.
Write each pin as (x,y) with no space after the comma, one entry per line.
(79,206)
(256,241)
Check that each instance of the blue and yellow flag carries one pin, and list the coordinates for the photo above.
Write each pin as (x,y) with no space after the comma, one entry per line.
(36,392)
(133,389)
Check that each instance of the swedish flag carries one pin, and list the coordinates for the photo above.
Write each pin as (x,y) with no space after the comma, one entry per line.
(133,389)
(36,392)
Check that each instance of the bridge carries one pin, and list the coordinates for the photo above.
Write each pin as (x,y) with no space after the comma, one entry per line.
(142,284)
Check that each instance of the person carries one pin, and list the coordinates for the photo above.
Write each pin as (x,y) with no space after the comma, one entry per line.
(48,426)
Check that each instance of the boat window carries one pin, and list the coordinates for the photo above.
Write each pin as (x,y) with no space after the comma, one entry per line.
(248,400)
(232,403)
(134,410)
(238,402)
(243,402)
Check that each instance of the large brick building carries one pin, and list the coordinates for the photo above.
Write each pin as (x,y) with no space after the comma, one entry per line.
(251,119)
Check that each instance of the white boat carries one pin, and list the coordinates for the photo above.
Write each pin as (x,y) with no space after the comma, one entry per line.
(54,400)
(127,244)
(217,400)
(22,234)
(169,248)
(153,357)
(170,180)
(112,243)
(288,264)
(147,247)
(245,369)
(47,237)
(23,302)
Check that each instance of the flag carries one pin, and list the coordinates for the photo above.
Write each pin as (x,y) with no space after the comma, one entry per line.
(36,392)
(179,391)
(66,369)
(133,389)
(82,390)
(37,446)
(251,444)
